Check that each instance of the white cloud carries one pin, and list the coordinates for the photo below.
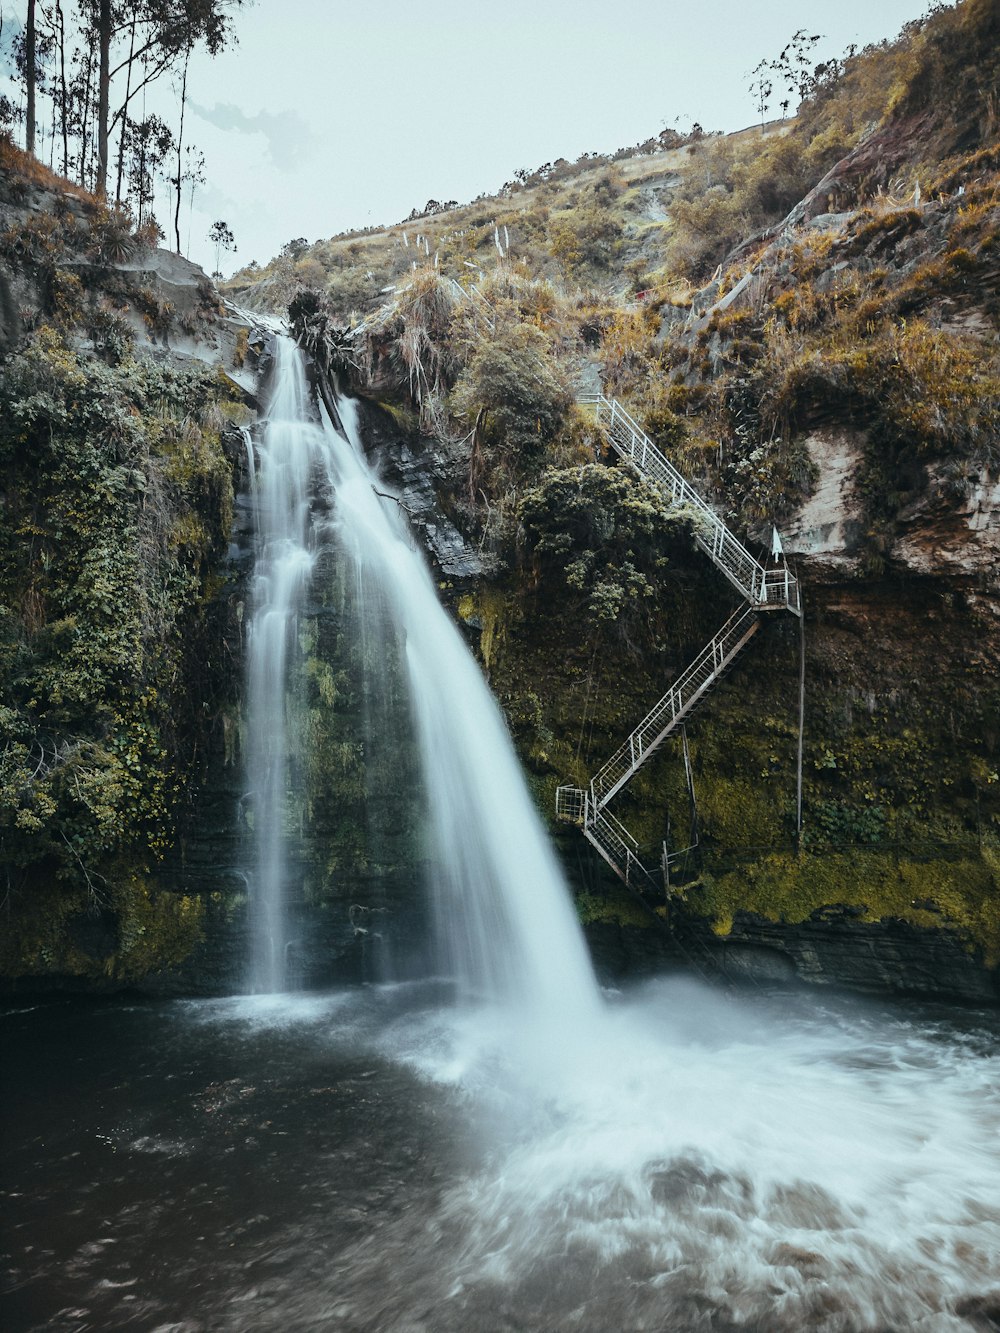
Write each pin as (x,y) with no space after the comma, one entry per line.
(288,137)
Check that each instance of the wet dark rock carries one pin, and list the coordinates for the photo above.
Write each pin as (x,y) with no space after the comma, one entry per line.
(832,949)
(10,320)
(625,952)
(878,957)
(94,933)
(416,471)
(983,1311)
(837,912)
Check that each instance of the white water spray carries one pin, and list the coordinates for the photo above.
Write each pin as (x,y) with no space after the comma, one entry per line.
(503,921)
(284,560)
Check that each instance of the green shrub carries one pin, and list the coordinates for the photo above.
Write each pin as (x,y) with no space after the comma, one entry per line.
(513,395)
(607,537)
(102,463)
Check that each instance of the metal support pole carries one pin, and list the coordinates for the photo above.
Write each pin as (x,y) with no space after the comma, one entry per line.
(802,722)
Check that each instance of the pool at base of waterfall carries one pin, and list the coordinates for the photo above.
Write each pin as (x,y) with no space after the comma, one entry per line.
(383,1159)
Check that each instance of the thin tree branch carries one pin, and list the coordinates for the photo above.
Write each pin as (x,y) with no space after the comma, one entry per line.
(384,495)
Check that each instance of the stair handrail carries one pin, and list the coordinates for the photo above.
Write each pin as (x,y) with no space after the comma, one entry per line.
(762,589)
(676,702)
(766,588)
(619,849)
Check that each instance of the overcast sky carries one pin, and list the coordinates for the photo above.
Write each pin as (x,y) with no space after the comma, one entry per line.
(330,115)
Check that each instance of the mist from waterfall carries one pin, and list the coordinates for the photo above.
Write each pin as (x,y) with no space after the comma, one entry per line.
(504,926)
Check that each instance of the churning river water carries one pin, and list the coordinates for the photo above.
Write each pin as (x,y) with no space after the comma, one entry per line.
(380,1159)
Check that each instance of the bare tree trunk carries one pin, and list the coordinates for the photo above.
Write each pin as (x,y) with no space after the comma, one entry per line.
(103,95)
(29,78)
(124,128)
(180,143)
(86,144)
(63,98)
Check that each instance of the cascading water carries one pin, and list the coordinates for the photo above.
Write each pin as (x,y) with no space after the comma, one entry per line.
(503,921)
(284,559)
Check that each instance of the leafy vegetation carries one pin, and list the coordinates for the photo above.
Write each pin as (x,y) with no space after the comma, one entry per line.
(118,505)
(607,536)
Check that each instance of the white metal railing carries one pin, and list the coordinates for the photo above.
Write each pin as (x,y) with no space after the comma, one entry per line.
(587,807)
(673,707)
(621,851)
(608,835)
(767,589)
(763,589)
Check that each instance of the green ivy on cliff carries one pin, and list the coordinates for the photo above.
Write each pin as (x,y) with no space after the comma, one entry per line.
(116,500)
(607,535)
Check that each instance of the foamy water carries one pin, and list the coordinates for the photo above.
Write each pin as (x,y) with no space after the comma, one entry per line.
(380,1160)
(812,1169)
(690,1160)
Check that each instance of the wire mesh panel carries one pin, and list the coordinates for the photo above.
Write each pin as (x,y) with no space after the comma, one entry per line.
(571,803)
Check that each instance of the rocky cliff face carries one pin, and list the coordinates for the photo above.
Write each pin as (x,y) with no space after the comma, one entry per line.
(355,867)
(124,385)
(151,887)
(840,375)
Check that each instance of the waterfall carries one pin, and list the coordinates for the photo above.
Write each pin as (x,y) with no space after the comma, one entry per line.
(285,529)
(504,926)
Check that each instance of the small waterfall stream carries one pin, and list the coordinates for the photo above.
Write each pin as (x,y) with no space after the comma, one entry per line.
(284,560)
(504,925)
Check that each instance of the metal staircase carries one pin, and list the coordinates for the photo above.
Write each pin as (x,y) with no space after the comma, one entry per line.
(762,590)
(765,589)
(675,705)
(586,807)
(609,836)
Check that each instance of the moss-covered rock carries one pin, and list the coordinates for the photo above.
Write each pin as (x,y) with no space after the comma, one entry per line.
(117,508)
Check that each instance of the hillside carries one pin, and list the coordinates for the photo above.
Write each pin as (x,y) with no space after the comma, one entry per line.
(667,211)
(120,404)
